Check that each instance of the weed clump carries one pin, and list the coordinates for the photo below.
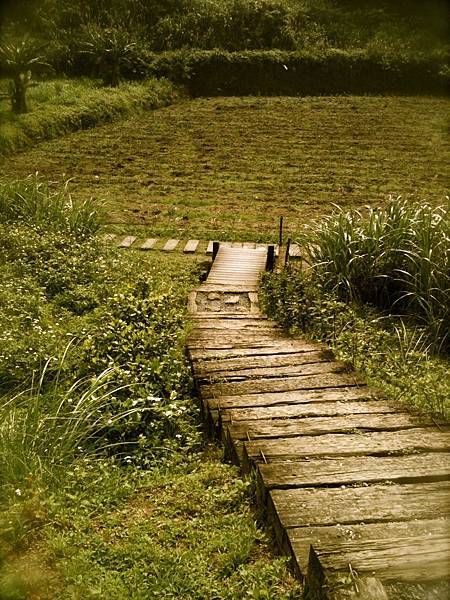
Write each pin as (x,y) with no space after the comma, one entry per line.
(396,258)
(36,203)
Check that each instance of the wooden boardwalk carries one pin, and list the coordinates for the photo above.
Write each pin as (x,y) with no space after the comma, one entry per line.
(346,479)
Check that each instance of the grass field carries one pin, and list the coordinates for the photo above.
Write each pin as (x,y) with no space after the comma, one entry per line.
(59,106)
(229,167)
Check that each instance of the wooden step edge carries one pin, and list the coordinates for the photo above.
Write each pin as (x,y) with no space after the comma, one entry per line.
(321,584)
(265,482)
(126,242)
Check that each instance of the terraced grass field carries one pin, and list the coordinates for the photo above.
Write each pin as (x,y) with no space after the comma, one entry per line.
(229,167)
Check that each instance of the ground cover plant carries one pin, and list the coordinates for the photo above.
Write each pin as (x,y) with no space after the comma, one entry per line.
(59,106)
(377,289)
(230,167)
(105,487)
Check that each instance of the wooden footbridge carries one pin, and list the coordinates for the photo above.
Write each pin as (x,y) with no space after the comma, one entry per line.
(349,482)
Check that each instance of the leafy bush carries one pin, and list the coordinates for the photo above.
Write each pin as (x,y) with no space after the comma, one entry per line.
(397,258)
(249,24)
(43,430)
(140,339)
(50,282)
(19,61)
(110,50)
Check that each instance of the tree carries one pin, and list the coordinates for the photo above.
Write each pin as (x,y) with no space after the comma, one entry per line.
(110,50)
(20,60)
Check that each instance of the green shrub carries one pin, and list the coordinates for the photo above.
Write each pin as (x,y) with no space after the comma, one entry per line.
(110,51)
(42,430)
(140,339)
(50,282)
(252,24)
(19,60)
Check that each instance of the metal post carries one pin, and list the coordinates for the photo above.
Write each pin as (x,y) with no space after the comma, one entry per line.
(270,258)
(280,239)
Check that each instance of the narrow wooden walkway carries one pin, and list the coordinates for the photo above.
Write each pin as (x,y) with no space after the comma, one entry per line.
(237,266)
(346,479)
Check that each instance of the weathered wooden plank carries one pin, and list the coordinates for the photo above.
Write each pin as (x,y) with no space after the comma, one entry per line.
(234,273)
(248,333)
(249,362)
(271,336)
(284,428)
(368,504)
(191,246)
(227,280)
(283,372)
(294,251)
(240,325)
(127,241)
(170,245)
(413,551)
(232,287)
(249,245)
(281,349)
(313,409)
(233,267)
(227,345)
(257,386)
(199,317)
(350,470)
(231,342)
(293,398)
(149,244)
(339,444)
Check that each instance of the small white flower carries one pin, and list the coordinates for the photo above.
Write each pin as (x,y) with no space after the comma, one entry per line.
(18,492)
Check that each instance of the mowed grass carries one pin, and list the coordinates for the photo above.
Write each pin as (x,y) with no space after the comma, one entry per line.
(229,167)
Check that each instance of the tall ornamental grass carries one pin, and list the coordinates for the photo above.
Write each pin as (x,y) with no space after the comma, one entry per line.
(32,201)
(396,258)
(43,430)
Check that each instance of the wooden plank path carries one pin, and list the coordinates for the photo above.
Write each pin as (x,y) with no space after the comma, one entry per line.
(190,246)
(344,476)
(237,266)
